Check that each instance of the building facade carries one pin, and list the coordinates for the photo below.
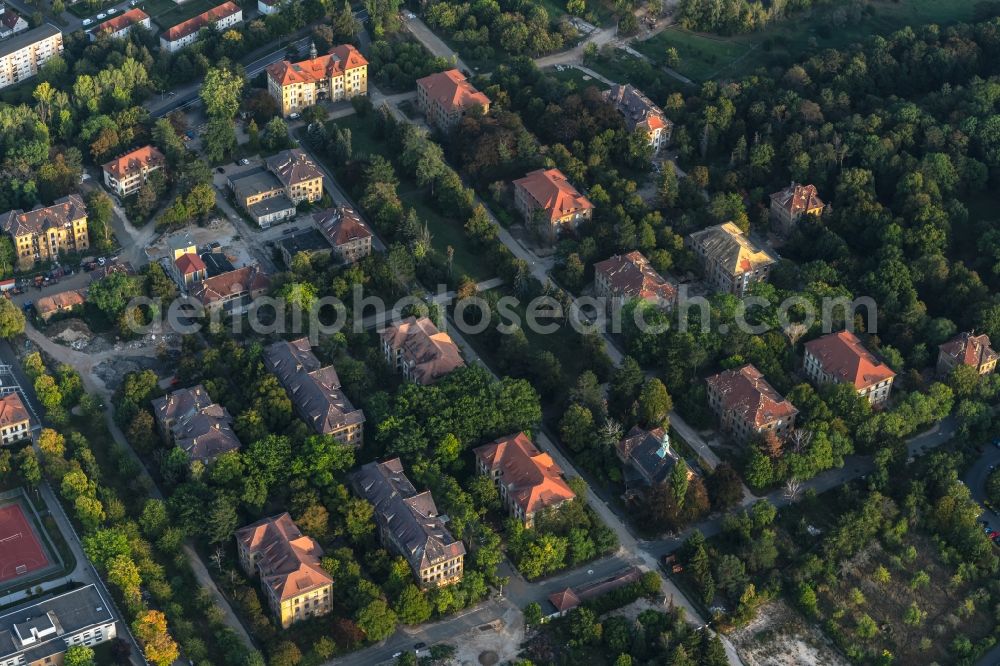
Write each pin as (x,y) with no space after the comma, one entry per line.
(546,196)
(623,278)
(232,292)
(120,26)
(340,74)
(184,34)
(790,204)
(64,301)
(408,523)
(288,564)
(747,406)
(349,236)
(44,233)
(11,22)
(529,481)
(641,114)
(731,262)
(445,97)
(967,349)
(269,193)
(840,357)
(15,421)
(189,420)
(22,54)
(126,174)
(419,351)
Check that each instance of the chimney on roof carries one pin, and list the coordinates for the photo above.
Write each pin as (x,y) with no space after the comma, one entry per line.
(312,50)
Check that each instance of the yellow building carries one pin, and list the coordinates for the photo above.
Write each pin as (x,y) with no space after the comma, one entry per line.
(340,74)
(45,233)
(288,562)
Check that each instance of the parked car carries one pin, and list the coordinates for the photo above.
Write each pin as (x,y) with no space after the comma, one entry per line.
(111,11)
(294,116)
(87,21)
(101,17)
(244,161)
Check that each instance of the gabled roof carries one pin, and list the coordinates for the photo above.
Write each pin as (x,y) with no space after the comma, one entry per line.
(288,561)
(64,300)
(62,213)
(410,517)
(242,280)
(180,402)
(632,276)
(798,198)
(553,193)
(122,21)
(206,433)
(340,59)
(27,37)
(450,90)
(432,352)
(200,21)
(135,161)
(315,390)
(12,410)
(843,356)
(292,167)
(727,245)
(638,109)
(10,18)
(969,349)
(746,392)
(649,452)
(189,263)
(533,480)
(341,225)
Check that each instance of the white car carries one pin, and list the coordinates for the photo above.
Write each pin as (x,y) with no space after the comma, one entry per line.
(111,11)
(101,17)
(244,161)
(294,116)
(87,21)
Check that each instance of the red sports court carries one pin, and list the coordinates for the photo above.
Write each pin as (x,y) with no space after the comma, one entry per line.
(20,551)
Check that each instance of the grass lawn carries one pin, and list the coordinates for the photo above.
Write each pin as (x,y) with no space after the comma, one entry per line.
(579,79)
(706,56)
(167,13)
(444,231)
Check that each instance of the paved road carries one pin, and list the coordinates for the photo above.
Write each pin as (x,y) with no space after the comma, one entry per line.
(433,43)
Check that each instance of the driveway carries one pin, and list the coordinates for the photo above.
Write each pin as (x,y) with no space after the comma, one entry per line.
(433,43)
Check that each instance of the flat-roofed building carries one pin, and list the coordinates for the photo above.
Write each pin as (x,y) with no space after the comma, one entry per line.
(271,192)
(24,53)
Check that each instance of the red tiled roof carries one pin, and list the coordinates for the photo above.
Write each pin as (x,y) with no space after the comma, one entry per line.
(534,481)
(798,198)
(969,349)
(565,600)
(632,276)
(745,390)
(433,353)
(246,279)
(552,191)
(289,561)
(64,300)
(200,21)
(843,356)
(131,17)
(189,263)
(339,60)
(341,225)
(12,410)
(452,91)
(134,161)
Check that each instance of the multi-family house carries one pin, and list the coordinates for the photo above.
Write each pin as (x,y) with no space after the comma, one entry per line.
(23,54)
(747,406)
(15,421)
(349,236)
(967,349)
(529,481)
(840,357)
(731,261)
(408,522)
(120,26)
(315,391)
(445,97)
(43,233)
(231,292)
(288,564)
(184,34)
(193,423)
(790,204)
(340,74)
(419,351)
(270,193)
(124,175)
(545,196)
(641,114)
(623,278)
(38,633)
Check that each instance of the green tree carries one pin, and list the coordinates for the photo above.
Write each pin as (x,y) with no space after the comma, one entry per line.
(533,614)
(285,653)
(112,293)
(377,620)
(78,655)
(654,404)
(11,319)
(577,428)
(412,606)
(221,91)
(28,468)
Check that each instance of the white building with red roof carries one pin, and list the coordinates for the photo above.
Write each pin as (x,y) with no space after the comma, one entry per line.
(349,236)
(546,196)
(967,349)
(183,34)
(118,27)
(15,421)
(840,357)
(627,277)
(190,269)
(747,405)
(445,97)
(529,481)
(340,74)
(125,174)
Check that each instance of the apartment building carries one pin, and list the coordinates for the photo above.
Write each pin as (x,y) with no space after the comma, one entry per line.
(15,421)
(44,233)
(315,391)
(349,236)
(124,175)
(546,197)
(269,193)
(419,351)
(790,204)
(120,26)
(231,292)
(731,262)
(38,633)
(445,97)
(288,564)
(623,278)
(190,420)
(184,34)
(529,481)
(22,54)
(641,114)
(840,357)
(747,406)
(408,523)
(969,349)
(340,74)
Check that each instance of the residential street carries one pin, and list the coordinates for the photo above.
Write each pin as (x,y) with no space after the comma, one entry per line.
(433,43)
